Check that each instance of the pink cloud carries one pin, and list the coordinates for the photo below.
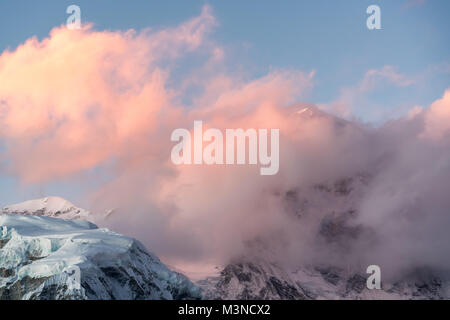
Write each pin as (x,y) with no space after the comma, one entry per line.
(437,119)
(77,98)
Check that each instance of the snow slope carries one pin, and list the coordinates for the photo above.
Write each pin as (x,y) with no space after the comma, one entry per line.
(50,207)
(48,258)
(250,280)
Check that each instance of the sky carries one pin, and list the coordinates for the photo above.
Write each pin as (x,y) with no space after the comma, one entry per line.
(329,37)
(326,36)
(86,114)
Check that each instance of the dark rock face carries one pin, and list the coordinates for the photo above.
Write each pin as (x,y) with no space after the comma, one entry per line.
(331,274)
(20,288)
(284,290)
(356,283)
(3,242)
(6,273)
(251,281)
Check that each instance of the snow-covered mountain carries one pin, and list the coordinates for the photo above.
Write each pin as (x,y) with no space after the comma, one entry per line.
(51,258)
(250,280)
(258,274)
(49,207)
(42,257)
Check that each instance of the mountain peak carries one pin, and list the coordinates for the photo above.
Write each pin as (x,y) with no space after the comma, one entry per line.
(46,258)
(55,207)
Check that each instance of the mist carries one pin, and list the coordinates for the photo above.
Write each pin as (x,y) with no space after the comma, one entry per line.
(86,99)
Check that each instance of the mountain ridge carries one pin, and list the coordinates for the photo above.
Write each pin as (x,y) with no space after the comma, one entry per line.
(52,258)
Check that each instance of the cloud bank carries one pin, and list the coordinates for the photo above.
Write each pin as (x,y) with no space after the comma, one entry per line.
(86,99)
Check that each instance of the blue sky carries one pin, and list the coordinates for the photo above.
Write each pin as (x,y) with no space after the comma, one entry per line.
(329,37)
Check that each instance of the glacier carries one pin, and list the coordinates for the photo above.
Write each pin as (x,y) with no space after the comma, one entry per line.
(52,258)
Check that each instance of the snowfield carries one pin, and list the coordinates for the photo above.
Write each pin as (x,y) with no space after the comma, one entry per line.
(49,258)
(50,207)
